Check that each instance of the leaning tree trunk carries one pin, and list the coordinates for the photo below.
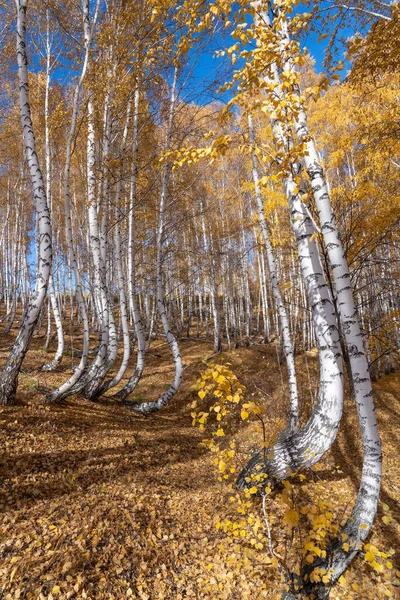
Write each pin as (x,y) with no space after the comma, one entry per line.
(137,318)
(66,388)
(92,379)
(302,449)
(51,365)
(305,447)
(120,274)
(367,501)
(359,523)
(363,513)
(147,407)
(273,273)
(9,376)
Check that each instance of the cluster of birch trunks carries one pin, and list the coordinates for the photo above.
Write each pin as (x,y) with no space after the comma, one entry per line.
(129,248)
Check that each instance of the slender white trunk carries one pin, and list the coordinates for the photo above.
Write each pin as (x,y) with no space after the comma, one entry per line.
(120,274)
(53,300)
(9,376)
(92,378)
(309,444)
(280,306)
(367,500)
(134,309)
(66,388)
(146,407)
(360,521)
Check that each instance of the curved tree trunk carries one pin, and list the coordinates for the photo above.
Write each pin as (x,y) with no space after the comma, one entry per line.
(66,388)
(141,343)
(302,449)
(147,407)
(363,513)
(51,365)
(120,274)
(280,306)
(9,376)
(305,447)
(360,521)
(365,508)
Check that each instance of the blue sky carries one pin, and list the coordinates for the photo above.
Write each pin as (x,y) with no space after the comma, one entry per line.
(206,65)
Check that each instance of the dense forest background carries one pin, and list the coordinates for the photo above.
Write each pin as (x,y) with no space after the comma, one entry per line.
(199,284)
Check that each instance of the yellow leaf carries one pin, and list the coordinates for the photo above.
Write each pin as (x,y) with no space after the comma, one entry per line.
(291,518)
(369,556)
(376,566)
(386,519)
(244,414)
(310,558)
(201,394)
(220,432)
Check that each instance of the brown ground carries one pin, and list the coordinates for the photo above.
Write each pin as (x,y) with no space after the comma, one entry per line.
(97,502)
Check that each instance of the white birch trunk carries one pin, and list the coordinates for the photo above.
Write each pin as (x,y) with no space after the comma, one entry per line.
(360,521)
(50,366)
(66,388)
(91,380)
(147,407)
(305,447)
(212,282)
(120,274)
(134,309)
(280,306)
(367,500)
(9,376)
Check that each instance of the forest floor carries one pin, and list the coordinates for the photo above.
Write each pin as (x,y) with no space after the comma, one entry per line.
(98,502)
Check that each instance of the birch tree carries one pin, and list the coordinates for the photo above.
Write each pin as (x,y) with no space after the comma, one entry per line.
(147,407)
(9,376)
(64,390)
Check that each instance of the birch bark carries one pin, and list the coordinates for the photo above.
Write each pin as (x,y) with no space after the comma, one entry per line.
(53,300)
(360,521)
(147,407)
(134,309)
(120,274)
(66,388)
(290,452)
(9,376)
(362,516)
(280,306)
